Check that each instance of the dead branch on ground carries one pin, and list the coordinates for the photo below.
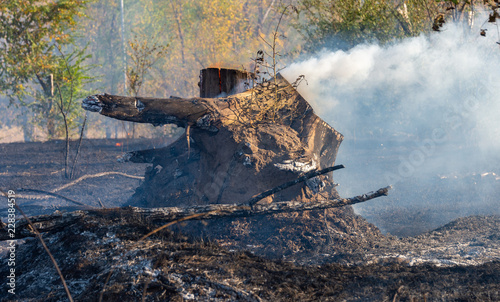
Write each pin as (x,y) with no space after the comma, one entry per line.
(303,178)
(54,222)
(94,176)
(54,195)
(51,193)
(37,234)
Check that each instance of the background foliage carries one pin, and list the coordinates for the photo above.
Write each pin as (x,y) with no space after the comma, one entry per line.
(181,37)
(33,37)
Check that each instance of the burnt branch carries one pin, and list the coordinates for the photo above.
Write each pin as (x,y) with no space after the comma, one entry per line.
(55,222)
(282,187)
(178,111)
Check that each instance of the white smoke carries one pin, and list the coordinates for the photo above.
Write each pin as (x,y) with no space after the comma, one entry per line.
(423,109)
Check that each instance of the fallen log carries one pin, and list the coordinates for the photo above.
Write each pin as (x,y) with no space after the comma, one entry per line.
(55,222)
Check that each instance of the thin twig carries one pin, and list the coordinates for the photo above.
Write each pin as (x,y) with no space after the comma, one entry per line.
(172,223)
(55,195)
(106,283)
(78,147)
(188,130)
(61,109)
(265,15)
(52,193)
(45,247)
(94,176)
(100,202)
(146,284)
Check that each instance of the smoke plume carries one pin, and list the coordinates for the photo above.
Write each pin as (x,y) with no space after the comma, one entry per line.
(422,115)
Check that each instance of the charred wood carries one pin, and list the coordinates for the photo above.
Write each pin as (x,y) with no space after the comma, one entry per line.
(55,222)
(282,187)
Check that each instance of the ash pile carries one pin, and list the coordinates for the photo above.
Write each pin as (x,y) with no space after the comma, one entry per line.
(101,257)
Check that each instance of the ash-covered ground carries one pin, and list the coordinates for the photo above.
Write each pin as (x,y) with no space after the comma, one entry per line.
(333,255)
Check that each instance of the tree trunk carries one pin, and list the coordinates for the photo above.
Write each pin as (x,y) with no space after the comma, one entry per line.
(51,127)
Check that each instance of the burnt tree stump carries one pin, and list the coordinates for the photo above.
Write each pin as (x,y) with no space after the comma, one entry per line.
(234,148)
(215,82)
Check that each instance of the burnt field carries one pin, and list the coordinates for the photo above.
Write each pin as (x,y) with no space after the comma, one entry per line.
(315,256)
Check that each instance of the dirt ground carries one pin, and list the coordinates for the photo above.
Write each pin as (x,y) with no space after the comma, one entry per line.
(324,256)
(40,166)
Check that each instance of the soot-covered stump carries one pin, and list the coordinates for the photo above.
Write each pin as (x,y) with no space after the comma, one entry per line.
(234,147)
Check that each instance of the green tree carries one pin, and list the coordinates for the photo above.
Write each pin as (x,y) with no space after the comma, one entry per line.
(143,54)
(342,24)
(200,34)
(32,36)
(70,79)
(100,32)
(464,11)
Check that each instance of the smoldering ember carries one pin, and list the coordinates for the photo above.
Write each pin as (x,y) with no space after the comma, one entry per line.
(242,206)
